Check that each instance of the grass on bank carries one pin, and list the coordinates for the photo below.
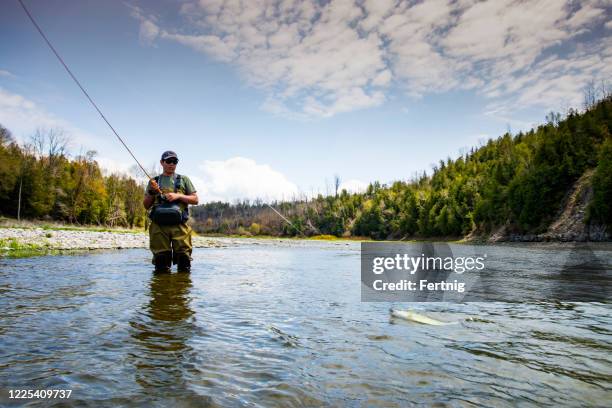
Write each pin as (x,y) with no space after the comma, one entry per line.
(13,248)
(274,237)
(13,244)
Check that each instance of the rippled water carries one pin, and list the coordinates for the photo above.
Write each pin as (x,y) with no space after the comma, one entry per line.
(263,325)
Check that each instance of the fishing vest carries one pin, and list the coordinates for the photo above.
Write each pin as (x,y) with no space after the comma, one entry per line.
(169,213)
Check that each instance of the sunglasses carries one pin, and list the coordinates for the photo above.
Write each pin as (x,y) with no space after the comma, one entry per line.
(171,161)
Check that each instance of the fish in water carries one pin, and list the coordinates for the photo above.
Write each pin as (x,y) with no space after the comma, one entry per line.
(416,317)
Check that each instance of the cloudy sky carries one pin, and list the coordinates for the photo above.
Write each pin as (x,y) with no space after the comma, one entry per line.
(271,99)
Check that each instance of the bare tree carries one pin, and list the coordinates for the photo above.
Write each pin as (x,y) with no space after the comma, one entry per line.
(38,142)
(52,143)
(58,141)
(553,118)
(604,90)
(336,184)
(590,95)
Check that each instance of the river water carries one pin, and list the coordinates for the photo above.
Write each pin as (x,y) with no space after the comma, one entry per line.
(283,325)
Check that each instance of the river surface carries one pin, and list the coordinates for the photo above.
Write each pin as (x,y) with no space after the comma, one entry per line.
(280,326)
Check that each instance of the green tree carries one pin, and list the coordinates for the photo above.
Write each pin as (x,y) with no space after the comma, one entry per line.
(600,208)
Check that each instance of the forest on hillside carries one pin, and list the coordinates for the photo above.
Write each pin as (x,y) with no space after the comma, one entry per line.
(517,181)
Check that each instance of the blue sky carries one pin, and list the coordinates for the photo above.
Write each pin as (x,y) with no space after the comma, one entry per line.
(271,99)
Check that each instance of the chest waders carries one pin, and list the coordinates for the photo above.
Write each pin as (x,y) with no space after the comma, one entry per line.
(170,244)
(170,236)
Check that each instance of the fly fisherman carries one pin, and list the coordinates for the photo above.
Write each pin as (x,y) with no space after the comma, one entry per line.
(169,234)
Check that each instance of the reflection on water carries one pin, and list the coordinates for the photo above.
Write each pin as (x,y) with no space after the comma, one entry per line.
(284,326)
(584,277)
(161,330)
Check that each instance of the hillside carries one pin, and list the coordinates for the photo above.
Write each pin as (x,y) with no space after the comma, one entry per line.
(551,183)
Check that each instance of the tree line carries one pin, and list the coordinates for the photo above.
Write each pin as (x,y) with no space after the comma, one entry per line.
(515,181)
(39,180)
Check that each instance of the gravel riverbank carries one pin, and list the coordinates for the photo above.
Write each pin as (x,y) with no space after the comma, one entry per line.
(12,238)
(83,239)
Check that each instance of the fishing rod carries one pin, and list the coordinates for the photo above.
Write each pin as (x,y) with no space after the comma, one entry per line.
(89,98)
(74,78)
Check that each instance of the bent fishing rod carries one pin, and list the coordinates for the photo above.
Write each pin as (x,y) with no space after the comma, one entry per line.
(76,81)
(74,78)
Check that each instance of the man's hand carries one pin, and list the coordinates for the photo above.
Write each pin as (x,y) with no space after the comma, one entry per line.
(187,199)
(173,196)
(155,186)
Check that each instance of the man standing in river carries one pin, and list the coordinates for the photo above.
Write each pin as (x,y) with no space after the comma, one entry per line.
(169,234)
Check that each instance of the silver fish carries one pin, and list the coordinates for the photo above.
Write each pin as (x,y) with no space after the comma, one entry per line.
(416,317)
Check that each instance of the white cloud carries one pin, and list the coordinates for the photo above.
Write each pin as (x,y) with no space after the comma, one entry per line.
(4,73)
(112,166)
(586,15)
(148,31)
(11,101)
(240,178)
(319,59)
(309,57)
(383,78)
(353,186)
(376,10)
(22,117)
(554,83)
(208,44)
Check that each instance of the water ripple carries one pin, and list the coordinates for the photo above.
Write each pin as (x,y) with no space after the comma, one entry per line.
(283,326)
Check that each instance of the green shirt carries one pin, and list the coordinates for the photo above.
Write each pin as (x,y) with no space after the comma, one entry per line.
(166,183)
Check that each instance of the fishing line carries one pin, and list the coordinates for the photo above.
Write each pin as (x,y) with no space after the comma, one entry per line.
(81,87)
(281,215)
(74,78)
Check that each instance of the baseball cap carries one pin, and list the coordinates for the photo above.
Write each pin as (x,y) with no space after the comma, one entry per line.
(168,154)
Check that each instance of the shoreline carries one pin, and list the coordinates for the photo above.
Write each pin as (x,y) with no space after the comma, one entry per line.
(16,240)
(66,239)
(39,240)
